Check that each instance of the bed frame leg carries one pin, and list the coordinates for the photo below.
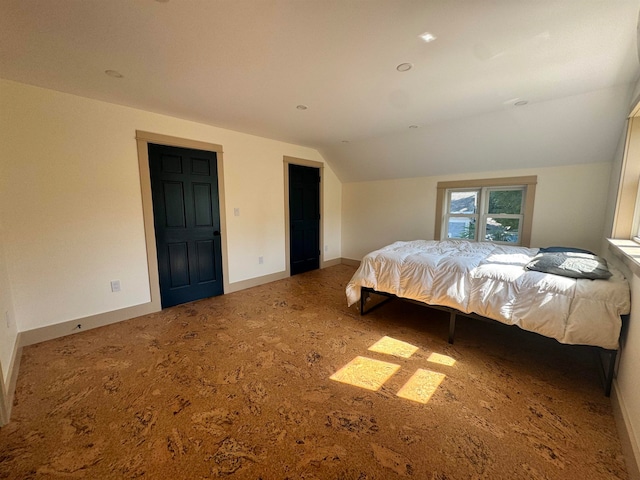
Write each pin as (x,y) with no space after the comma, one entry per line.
(452,325)
(609,371)
(364,295)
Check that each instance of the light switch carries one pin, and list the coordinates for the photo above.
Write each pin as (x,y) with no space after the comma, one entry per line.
(236,212)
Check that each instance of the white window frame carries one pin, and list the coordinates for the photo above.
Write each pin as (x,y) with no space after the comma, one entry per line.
(626,224)
(624,240)
(484,187)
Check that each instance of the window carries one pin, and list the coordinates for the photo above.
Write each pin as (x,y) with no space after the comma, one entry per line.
(625,227)
(626,223)
(494,210)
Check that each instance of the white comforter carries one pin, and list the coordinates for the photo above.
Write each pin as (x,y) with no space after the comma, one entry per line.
(490,280)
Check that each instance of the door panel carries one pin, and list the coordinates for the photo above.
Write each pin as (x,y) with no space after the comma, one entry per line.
(202,200)
(206,260)
(174,205)
(200,166)
(171,164)
(178,264)
(186,210)
(304,218)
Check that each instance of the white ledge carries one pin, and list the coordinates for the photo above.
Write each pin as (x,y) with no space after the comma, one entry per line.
(628,251)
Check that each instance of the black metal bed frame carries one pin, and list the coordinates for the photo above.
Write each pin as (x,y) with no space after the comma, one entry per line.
(607,357)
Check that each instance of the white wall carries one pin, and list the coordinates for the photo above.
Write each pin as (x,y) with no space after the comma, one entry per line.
(71,202)
(569,208)
(626,385)
(8,329)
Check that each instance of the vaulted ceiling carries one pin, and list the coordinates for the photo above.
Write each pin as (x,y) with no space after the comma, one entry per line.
(505,84)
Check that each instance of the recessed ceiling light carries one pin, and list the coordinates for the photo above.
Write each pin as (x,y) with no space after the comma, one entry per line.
(114,73)
(520,103)
(428,37)
(404,67)
(301,107)
(413,126)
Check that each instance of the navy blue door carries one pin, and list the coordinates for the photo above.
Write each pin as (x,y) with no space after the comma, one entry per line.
(186,213)
(304,218)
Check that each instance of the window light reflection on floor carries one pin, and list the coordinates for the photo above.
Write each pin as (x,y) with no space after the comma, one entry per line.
(365,373)
(391,346)
(371,374)
(421,386)
(441,359)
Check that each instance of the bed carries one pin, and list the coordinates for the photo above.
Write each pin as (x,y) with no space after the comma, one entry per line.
(495,281)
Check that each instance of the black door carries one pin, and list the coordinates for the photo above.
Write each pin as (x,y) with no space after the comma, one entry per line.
(304,218)
(186,213)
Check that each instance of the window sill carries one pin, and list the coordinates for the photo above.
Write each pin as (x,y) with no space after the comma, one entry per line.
(628,251)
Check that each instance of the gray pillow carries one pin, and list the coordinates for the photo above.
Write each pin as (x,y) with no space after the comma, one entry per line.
(570,264)
(564,249)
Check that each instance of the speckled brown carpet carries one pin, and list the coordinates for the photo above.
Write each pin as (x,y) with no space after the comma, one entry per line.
(251,385)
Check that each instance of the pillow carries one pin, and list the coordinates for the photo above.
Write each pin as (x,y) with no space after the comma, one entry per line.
(564,249)
(570,264)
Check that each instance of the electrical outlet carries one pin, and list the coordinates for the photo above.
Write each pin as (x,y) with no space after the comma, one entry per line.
(260,260)
(115,286)
(326,248)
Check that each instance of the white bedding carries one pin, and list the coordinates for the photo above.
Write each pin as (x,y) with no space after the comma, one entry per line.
(490,280)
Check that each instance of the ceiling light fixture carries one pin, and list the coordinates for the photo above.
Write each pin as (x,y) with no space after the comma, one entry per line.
(404,67)
(301,107)
(114,73)
(428,37)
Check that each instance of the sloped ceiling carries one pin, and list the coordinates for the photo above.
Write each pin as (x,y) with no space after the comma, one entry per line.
(246,65)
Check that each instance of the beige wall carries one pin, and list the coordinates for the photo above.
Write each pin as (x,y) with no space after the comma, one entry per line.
(569,208)
(72,203)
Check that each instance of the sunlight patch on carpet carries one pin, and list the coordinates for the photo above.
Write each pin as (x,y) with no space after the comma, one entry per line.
(365,373)
(391,346)
(441,359)
(421,386)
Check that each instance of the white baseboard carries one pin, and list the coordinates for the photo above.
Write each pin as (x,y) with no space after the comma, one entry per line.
(9,387)
(350,262)
(254,282)
(257,281)
(331,263)
(57,330)
(628,438)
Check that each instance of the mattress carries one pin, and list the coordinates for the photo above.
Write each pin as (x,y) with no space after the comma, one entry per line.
(491,280)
